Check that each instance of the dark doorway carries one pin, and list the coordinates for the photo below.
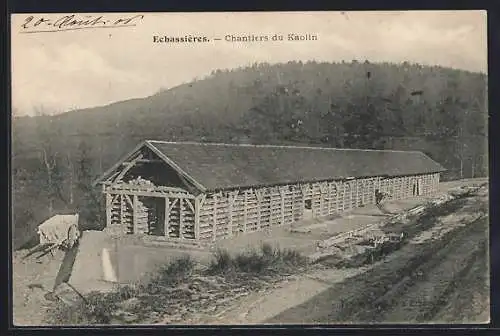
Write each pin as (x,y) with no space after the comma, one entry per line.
(156,216)
(308,214)
(416,191)
(308,204)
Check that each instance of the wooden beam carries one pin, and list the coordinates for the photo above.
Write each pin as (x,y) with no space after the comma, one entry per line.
(198,203)
(167,217)
(323,188)
(127,197)
(127,168)
(231,199)
(109,206)
(121,212)
(356,182)
(181,212)
(282,198)
(214,228)
(125,163)
(111,177)
(174,202)
(191,206)
(258,194)
(245,210)
(134,214)
(152,194)
(302,206)
(135,187)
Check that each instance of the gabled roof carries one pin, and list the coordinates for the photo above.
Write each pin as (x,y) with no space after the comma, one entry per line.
(211,166)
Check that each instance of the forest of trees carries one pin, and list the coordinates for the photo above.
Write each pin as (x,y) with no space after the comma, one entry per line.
(440,111)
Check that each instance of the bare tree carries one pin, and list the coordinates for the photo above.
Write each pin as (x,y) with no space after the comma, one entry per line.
(49,158)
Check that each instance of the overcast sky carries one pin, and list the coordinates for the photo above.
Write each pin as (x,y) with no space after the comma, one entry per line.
(66,70)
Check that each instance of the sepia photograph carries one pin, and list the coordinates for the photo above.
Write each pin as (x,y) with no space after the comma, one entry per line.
(249,168)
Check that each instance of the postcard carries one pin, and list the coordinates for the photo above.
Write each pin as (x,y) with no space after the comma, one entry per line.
(250,168)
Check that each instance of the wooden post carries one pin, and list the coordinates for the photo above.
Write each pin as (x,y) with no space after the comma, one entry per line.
(109,206)
(134,213)
(356,201)
(258,194)
(230,214)
(167,217)
(245,210)
(198,203)
(320,199)
(343,195)
(181,226)
(282,196)
(214,229)
(329,204)
(122,201)
(337,197)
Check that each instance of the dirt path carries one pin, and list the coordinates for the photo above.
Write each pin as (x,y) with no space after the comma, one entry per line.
(420,283)
(262,305)
(31,281)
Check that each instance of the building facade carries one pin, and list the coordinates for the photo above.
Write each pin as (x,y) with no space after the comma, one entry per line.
(203,192)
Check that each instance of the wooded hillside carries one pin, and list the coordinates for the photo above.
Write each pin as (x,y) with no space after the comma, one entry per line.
(440,111)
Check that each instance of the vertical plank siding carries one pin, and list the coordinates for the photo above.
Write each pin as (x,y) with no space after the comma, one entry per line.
(224,214)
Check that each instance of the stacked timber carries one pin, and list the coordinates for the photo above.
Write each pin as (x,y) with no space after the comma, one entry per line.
(252,212)
(265,212)
(187,219)
(238,215)
(116,210)
(126,216)
(222,228)
(207,218)
(141,217)
(174,219)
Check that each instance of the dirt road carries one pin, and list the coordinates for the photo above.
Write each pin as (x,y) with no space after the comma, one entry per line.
(435,281)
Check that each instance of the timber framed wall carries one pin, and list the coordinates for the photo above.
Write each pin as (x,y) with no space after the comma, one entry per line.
(225,214)
(228,213)
(159,211)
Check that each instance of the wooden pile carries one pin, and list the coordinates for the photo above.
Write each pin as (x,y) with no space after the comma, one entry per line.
(142,220)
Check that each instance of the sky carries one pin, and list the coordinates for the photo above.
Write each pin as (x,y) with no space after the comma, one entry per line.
(59,71)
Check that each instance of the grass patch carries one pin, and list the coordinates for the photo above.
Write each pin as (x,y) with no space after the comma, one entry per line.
(99,308)
(268,259)
(171,275)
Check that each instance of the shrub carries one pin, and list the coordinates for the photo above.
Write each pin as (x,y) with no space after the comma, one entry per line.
(96,309)
(178,270)
(222,263)
(266,260)
(251,262)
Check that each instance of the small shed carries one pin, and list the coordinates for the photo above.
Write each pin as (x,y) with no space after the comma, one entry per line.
(199,192)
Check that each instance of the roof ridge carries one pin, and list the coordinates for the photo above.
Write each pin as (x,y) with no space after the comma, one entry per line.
(278,146)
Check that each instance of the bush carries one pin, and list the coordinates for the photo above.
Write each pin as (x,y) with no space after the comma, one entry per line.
(268,259)
(222,263)
(178,270)
(97,309)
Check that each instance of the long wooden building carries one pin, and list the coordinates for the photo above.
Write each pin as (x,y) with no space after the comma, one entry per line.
(202,192)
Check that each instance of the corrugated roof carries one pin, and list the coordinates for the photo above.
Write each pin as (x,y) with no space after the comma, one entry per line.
(224,166)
